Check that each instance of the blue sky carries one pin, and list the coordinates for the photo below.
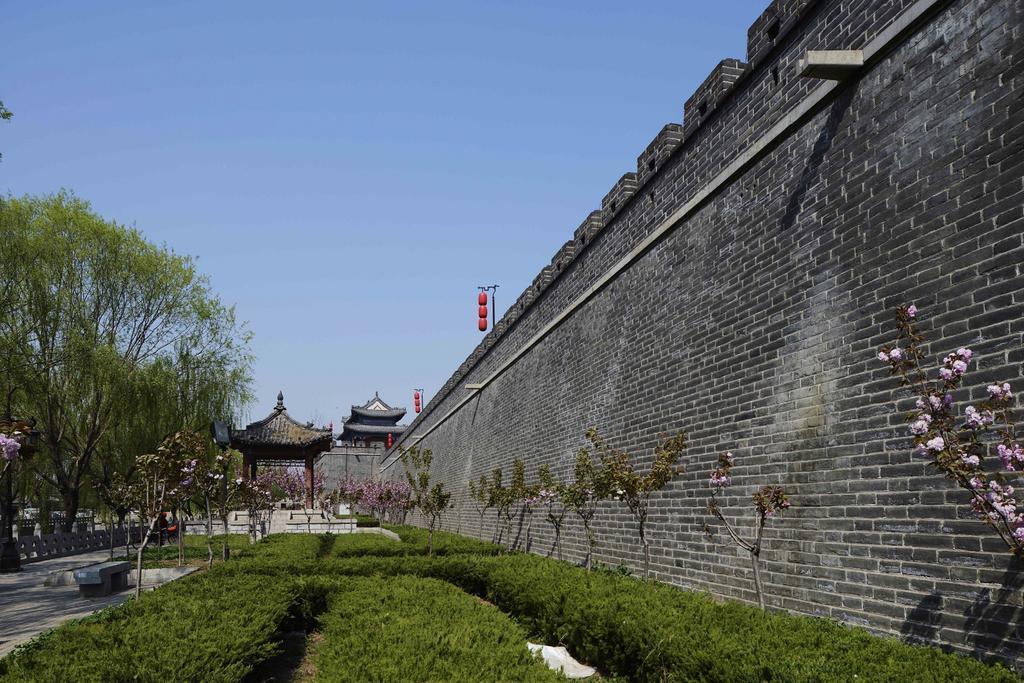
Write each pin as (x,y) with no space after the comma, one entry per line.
(348,173)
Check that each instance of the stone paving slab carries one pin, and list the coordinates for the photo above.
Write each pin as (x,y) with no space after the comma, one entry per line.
(28,608)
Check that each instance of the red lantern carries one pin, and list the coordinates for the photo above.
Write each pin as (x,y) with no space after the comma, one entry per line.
(416,400)
(482,312)
(390,440)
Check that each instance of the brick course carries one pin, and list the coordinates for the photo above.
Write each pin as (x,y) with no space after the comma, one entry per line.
(754,322)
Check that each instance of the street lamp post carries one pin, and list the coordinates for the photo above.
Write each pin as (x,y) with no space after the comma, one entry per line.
(23,431)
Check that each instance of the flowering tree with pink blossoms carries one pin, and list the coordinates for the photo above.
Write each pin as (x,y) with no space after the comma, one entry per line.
(957,445)
(350,492)
(255,496)
(550,496)
(768,501)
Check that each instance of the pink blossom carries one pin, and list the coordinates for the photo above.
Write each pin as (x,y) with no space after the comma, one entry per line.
(965,354)
(719,480)
(946,374)
(918,427)
(911,311)
(970,460)
(1012,456)
(977,419)
(1018,534)
(959,367)
(1000,392)
(883,356)
(936,444)
(896,354)
(9,447)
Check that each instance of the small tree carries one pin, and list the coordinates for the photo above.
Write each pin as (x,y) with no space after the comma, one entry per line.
(633,488)
(479,494)
(550,494)
(204,481)
(431,501)
(500,498)
(222,469)
(350,492)
(768,501)
(296,488)
(956,448)
(588,488)
(160,474)
(255,496)
(525,495)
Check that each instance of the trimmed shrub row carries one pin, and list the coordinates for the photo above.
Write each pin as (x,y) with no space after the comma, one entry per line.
(646,631)
(404,628)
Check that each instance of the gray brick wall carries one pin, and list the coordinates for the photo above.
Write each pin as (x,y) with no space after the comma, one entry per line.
(753,325)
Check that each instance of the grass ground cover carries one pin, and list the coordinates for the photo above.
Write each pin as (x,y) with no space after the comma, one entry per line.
(362,592)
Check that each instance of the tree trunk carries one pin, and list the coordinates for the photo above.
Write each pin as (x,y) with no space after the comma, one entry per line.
(70,498)
(142,549)
(754,556)
(181,540)
(430,540)
(647,550)
(209,534)
(224,550)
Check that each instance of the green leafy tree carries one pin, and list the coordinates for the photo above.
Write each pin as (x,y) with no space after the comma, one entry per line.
(627,484)
(110,341)
(430,500)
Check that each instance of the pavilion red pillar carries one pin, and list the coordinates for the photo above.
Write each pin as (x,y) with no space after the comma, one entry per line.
(249,466)
(309,481)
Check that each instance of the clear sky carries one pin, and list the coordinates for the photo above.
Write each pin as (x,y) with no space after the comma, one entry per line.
(348,173)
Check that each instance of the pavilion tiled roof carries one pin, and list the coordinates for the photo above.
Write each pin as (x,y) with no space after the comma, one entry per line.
(280,429)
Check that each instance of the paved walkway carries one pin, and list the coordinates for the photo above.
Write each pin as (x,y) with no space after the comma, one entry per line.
(27,607)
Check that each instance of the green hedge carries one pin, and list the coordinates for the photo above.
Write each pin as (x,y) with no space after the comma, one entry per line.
(366,521)
(444,543)
(219,625)
(410,629)
(212,627)
(646,631)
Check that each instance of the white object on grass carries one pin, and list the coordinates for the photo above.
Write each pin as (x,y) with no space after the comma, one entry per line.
(559,659)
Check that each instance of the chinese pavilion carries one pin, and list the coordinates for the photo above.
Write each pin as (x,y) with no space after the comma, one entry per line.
(374,422)
(279,440)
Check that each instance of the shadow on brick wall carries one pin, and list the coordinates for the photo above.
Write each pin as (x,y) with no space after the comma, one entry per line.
(994,620)
(993,623)
(821,147)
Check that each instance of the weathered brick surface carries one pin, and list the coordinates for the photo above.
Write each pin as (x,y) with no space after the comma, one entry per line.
(754,323)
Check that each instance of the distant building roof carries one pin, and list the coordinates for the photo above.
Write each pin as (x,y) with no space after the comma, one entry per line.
(280,429)
(373,420)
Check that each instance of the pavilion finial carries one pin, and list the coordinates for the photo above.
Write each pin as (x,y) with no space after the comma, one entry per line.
(280,400)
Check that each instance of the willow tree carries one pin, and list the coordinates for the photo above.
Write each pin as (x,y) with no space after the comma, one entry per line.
(97,317)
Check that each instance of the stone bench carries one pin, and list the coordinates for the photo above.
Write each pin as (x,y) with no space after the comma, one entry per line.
(102,579)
